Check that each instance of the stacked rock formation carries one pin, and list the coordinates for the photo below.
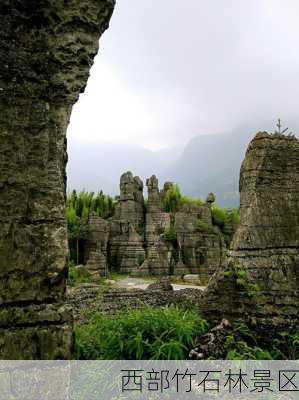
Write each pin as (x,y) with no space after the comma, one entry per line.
(201,245)
(96,249)
(261,280)
(126,239)
(46,50)
(159,252)
(152,241)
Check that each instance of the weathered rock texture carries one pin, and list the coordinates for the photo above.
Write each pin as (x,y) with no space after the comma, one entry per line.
(150,241)
(126,239)
(201,245)
(114,300)
(46,50)
(261,280)
(96,248)
(160,253)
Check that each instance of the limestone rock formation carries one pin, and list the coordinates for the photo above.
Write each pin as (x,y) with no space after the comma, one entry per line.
(159,252)
(125,249)
(96,247)
(261,279)
(126,238)
(201,245)
(148,240)
(46,48)
(131,204)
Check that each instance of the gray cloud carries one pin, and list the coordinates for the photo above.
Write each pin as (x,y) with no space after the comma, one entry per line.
(206,66)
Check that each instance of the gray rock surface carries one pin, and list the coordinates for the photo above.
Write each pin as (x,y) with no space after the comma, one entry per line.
(143,239)
(261,280)
(46,51)
(201,245)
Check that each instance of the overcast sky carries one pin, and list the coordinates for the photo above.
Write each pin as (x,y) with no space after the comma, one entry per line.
(169,70)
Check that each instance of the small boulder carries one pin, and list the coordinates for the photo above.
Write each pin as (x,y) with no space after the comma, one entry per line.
(163,284)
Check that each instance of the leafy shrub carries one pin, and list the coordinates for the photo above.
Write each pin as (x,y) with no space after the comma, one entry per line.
(235,216)
(150,333)
(239,276)
(240,350)
(170,234)
(243,344)
(201,226)
(219,216)
(188,200)
(79,207)
(286,346)
(75,278)
(172,199)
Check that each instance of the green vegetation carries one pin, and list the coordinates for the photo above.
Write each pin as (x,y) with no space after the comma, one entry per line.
(240,350)
(79,206)
(234,215)
(170,333)
(82,204)
(239,276)
(286,346)
(150,333)
(173,200)
(170,235)
(242,344)
(201,226)
(189,201)
(226,220)
(75,277)
(219,216)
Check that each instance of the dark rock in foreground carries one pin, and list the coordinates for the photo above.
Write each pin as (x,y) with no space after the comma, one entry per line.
(46,50)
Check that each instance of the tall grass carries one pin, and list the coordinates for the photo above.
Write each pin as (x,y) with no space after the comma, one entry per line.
(150,333)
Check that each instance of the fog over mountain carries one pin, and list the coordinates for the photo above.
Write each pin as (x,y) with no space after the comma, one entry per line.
(99,166)
(196,79)
(209,162)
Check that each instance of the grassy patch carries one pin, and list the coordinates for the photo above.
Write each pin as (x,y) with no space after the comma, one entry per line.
(150,333)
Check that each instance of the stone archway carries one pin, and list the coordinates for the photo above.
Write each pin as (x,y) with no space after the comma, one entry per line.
(46,49)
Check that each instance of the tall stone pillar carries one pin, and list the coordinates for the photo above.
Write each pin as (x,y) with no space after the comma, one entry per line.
(261,281)
(46,50)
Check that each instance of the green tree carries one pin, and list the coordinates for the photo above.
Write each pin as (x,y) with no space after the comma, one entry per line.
(172,199)
(79,207)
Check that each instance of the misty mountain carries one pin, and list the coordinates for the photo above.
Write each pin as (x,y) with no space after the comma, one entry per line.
(97,167)
(211,163)
(208,163)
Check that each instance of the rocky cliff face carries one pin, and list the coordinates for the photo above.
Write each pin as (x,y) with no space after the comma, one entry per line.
(46,48)
(261,280)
